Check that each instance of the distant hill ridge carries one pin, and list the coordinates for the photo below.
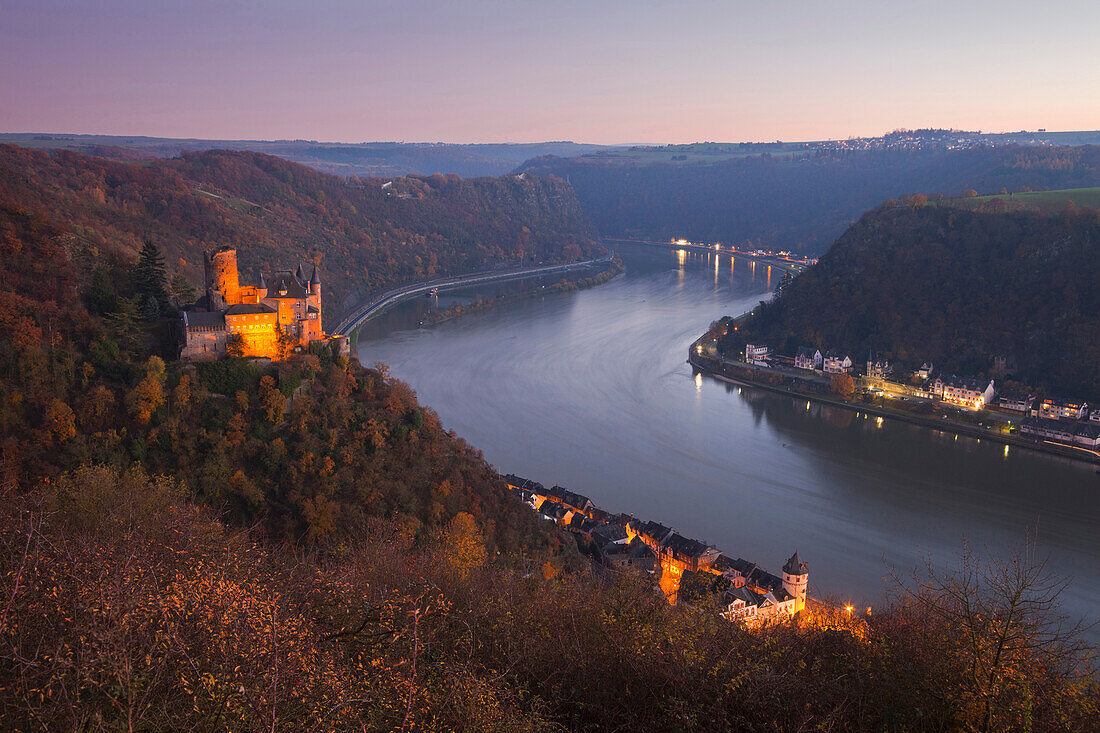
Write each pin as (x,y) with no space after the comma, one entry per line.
(277,213)
(344,159)
(954,287)
(797,201)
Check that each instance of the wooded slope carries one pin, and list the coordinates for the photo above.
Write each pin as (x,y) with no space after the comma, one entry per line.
(276,213)
(935,283)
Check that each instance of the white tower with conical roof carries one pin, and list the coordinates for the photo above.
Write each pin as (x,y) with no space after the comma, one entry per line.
(796,576)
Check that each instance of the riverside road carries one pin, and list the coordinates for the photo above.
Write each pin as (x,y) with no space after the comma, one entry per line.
(380,302)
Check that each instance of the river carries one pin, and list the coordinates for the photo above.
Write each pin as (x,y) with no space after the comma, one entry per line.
(590,390)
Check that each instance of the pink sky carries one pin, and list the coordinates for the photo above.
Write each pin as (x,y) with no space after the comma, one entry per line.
(595,71)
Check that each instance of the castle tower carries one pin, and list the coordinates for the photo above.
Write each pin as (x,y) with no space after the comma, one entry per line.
(261,289)
(223,287)
(796,576)
(315,286)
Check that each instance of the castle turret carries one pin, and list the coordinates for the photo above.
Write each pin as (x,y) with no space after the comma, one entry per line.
(222,284)
(300,274)
(796,576)
(315,285)
(261,288)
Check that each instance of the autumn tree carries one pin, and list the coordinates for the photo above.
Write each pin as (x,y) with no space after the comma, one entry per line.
(272,400)
(61,421)
(1000,624)
(842,385)
(462,543)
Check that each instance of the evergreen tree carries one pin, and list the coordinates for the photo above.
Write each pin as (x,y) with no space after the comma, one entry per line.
(183,292)
(150,309)
(102,299)
(149,277)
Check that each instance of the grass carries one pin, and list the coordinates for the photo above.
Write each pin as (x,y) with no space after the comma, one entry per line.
(1046,202)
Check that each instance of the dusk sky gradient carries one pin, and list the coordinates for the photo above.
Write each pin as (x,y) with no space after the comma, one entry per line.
(602,72)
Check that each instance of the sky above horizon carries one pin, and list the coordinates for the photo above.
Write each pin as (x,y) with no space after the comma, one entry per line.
(521,71)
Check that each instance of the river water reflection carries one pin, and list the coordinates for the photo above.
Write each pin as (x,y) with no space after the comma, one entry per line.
(590,390)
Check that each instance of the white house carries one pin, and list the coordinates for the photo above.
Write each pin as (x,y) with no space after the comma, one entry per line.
(925,371)
(837,363)
(756,354)
(1063,409)
(968,391)
(1088,436)
(1046,428)
(1015,401)
(808,358)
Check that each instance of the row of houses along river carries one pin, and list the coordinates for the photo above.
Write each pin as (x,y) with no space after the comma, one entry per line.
(590,390)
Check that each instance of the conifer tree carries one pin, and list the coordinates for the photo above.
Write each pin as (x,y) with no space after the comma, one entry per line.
(149,277)
(183,292)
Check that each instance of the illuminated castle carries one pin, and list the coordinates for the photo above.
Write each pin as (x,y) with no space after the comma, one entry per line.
(264,320)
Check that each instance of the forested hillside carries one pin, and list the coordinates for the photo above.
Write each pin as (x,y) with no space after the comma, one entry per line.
(276,213)
(919,282)
(303,547)
(800,202)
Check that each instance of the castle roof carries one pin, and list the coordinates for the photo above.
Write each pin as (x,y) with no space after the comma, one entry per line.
(285,285)
(243,309)
(203,319)
(795,566)
(314,279)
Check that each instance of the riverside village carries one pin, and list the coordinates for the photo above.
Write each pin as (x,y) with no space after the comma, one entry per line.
(966,404)
(689,571)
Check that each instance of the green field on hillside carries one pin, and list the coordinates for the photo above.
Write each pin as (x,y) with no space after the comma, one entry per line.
(1044,201)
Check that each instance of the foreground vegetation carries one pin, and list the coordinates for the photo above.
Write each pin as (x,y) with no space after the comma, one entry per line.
(302,547)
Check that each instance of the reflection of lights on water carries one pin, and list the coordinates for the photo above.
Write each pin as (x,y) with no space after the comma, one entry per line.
(807,404)
(698,381)
(1006,450)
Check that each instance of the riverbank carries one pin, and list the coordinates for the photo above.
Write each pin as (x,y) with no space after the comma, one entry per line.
(436,316)
(786,265)
(744,376)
